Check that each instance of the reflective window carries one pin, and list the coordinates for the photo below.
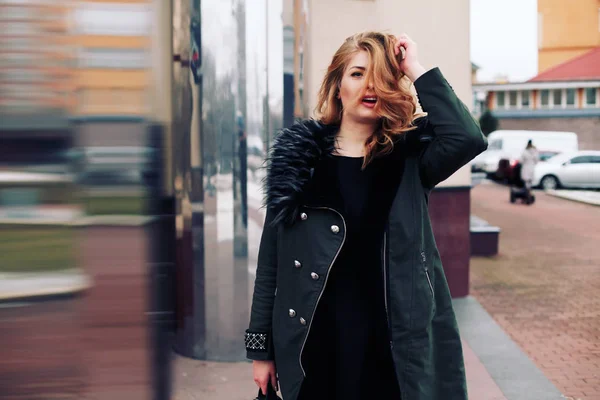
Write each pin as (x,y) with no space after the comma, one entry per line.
(20,28)
(11,13)
(525,98)
(571,97)
(113,58)
(112,19)
(544,97)
(557,95)
(500,99)
(581,160)
(591,95)
(20,75)
(495,144)
(512,98)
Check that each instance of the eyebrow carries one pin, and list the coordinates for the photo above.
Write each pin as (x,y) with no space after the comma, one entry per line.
(359,67)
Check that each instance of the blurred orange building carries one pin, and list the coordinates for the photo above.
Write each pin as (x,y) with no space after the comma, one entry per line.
(82,61)
(36,65)
(111,39)
(566,29)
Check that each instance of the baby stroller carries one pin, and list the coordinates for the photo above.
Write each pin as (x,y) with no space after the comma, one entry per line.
(518,190)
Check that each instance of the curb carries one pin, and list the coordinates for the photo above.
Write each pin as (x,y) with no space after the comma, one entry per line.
(79,284)
(513,371)
(573,197)
(43,295)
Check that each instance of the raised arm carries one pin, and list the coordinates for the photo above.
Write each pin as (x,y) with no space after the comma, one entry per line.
(457,137)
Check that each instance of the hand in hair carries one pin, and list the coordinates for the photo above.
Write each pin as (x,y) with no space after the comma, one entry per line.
(409,63)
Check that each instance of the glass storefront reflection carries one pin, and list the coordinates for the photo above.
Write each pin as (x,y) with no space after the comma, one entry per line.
(228,101)
(75,230)
(105,184)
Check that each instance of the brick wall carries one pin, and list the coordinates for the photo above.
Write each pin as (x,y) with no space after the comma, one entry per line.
(587,129)
(449,210)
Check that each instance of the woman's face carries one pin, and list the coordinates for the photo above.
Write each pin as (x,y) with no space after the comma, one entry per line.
(358,104)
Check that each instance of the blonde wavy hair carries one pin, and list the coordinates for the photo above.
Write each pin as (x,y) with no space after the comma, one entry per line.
(395,105)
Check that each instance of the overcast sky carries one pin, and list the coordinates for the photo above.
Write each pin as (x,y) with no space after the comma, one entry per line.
(504,38)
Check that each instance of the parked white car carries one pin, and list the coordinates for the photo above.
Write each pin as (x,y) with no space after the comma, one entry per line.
(579,169)
(509,145)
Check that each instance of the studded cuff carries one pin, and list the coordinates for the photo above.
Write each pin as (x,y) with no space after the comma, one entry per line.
(256,341)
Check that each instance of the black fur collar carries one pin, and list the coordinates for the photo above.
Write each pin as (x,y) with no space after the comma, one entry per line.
(295,154)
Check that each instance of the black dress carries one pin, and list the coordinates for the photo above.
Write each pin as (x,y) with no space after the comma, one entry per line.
(347,354)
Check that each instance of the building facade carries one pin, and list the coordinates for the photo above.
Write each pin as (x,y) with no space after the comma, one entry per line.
(566,29)
(563,98)
(111,42)
(37,73)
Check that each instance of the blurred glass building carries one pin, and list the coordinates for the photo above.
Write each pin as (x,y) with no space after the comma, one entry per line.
(132,139)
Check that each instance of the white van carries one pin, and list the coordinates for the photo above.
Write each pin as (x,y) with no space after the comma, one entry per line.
(509,144)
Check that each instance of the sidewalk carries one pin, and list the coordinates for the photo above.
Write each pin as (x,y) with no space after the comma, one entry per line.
(495,366)
(205,380)
(542,287)
(496,369)
(583,196)
(19,286)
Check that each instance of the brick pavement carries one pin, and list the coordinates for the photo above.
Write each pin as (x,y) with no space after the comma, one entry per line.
(543,287)
(206,380)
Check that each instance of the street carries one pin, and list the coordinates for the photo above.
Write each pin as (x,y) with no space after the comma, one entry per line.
(93,345)
(41,350)
(543,286)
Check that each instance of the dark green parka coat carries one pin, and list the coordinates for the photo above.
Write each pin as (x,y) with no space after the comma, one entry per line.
(304,234)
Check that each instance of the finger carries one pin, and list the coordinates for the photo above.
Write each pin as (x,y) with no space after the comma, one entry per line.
(274,382)
(263,387)
(404,42)
(402,46)
(397,45)
(407,45)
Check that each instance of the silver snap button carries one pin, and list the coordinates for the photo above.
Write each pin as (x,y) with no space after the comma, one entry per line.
(335,228)
(314,275)
(302,321)
(292,313)
(303,216)
(297,264)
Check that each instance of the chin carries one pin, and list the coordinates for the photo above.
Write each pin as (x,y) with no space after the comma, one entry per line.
(368,117)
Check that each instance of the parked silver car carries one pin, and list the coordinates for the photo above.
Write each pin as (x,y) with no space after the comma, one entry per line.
(580,169)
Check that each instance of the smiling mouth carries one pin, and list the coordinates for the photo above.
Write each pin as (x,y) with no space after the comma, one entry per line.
(369,100)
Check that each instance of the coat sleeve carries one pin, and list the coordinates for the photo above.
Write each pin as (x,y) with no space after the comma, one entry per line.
(457,138)
(258,338)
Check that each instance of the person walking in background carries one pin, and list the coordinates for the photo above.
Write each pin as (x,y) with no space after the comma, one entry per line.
(350,298)
(529,158)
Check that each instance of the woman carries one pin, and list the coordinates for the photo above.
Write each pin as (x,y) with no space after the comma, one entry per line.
(350,299)
(529,158)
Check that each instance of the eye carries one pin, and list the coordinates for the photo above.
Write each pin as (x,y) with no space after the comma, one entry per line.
(356,74)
